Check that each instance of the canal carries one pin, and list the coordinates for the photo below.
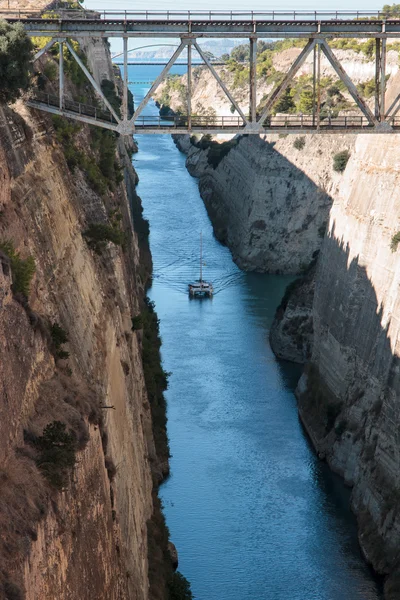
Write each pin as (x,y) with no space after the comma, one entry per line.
(254,514)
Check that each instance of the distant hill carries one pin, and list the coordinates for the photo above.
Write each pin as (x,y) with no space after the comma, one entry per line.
(216,47)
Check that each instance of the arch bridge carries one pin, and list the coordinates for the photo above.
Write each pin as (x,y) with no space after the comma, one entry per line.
(316,28)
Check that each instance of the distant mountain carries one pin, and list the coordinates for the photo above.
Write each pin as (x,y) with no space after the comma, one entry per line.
(216,47)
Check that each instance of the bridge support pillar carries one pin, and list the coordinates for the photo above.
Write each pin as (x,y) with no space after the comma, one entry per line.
(383,79)
(318,48)
(189,85)
(377,76)
(61,74)
(253,79)
(125,88)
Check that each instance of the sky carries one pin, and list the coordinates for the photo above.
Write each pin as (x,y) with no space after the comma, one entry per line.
(240,5)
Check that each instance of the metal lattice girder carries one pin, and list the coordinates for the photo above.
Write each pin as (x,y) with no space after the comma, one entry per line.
(159,79)
(189,85)
(221,83)
(92,81)
(348,82)
(47,47)
(393,108)
(278,91)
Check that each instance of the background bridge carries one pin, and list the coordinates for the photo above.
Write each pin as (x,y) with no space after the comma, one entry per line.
(317,28)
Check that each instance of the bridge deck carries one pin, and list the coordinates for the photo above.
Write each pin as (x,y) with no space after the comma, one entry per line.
(295,124)
(208,23)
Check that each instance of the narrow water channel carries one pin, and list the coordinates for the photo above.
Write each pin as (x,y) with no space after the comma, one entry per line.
(254,514)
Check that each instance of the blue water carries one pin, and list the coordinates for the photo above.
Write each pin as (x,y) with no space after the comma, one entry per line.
(254,514)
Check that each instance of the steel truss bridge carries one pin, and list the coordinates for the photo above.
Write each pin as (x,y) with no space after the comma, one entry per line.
(317,28)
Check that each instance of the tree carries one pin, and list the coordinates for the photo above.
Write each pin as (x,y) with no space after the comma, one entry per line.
(306,101)
(179,588)
(340,161)
(16,55)
(285,103)
(391,11)
(56,453)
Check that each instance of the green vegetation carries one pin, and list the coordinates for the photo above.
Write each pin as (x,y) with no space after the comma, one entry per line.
(103,173)
(172,84)
(108,89)
(216,151)
(299,143)
(155,377)
(56,453)
(179,587)
(50,71)
(285,104)
(391,11)
(16,55)
(395,241)
(137,322)
(367,48)
(71,68)
(340,161)
(59,337)
(99,234)
(22,270)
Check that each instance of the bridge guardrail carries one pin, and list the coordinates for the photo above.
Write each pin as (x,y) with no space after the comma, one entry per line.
(200,15)
(99,114)
(278,122)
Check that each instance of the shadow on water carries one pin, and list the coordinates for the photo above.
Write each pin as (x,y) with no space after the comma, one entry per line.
(254,514)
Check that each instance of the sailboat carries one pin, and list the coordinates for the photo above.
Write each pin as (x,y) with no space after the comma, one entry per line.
(201,287)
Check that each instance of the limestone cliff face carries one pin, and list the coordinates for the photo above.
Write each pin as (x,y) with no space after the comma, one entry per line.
(89,540)
(207,93)
(348,395)
(268,201)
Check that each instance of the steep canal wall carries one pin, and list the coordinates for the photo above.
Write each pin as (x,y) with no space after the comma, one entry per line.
(348,395)
(278,207)
(83,444)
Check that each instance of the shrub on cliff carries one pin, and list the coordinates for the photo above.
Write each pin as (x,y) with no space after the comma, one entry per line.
(299,143)
(16,55)
(179,588)
(22,269)
(340,161)
(395,241)
(98,234)
(56,453)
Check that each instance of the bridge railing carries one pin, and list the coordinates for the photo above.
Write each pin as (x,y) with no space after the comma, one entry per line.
(199,15)
(87,110)
(202,122)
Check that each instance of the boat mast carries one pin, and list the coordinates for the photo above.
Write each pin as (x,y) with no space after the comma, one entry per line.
(201,256)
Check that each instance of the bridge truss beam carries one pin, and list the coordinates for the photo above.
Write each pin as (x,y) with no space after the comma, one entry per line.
(248,120)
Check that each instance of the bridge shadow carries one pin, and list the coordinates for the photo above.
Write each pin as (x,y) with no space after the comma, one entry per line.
(348,396)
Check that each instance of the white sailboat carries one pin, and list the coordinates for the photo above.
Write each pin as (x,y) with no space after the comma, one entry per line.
(201,287)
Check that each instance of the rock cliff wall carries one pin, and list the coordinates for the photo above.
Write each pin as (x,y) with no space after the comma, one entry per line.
(269,202)
(89,537)
(348,396)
